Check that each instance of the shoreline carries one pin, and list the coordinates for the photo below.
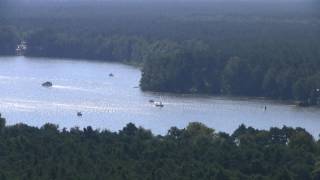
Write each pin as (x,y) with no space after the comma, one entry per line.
(182,94)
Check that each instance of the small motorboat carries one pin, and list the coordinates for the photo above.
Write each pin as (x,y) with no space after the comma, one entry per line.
(158,104)
(151,101)
(111,75)
(79,114)
(47,84)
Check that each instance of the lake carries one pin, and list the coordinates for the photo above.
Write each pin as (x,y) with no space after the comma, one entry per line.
(112,102)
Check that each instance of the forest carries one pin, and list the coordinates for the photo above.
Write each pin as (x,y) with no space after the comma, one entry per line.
(9,39)
(194,152)
(267,49)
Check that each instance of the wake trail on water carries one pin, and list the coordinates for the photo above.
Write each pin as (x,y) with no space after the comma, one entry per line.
(63,87)
(73,88)
(3,77)
(33,106)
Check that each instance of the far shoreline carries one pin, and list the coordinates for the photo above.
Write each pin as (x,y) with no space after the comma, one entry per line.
(182,94)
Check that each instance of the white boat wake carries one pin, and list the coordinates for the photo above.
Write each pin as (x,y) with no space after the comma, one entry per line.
(73,88)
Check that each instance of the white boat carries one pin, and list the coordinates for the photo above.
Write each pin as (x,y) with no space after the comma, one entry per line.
(158,104)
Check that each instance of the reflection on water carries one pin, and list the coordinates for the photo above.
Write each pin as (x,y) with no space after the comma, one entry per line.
(112,102)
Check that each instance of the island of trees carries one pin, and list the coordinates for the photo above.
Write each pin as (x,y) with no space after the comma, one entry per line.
(244,49)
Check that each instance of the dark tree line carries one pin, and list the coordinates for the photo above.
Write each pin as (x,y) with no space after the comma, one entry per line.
(121,48)
(289,72)
(9,39)
(195,152)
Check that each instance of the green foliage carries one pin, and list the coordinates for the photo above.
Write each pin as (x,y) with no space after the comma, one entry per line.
(199,130)
(2,122)
(196,152)
(49,43)
(8,40)
(237,77)
(192,68)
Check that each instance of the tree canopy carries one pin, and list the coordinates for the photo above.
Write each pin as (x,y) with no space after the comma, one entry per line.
(195,152)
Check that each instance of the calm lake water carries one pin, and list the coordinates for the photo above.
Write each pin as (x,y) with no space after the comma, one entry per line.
(112,102)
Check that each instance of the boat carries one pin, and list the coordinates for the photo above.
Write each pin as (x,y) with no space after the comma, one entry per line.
(151,101)
(111,75)
(158,104)
(47,84)
(79,114)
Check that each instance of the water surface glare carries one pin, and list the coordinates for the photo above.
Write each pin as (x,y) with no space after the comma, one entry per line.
(112,102)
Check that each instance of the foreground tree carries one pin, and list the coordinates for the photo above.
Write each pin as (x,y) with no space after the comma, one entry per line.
(195,152)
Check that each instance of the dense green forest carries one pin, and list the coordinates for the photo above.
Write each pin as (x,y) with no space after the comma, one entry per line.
(9,39)
(269,49)
(195,152)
